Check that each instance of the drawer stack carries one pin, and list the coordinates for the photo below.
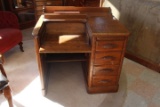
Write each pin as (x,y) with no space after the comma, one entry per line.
(107,61)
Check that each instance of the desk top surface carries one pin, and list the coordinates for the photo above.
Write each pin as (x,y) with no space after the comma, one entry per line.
(100,20)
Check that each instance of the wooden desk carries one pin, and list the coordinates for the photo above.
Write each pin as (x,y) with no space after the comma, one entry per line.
(87,34)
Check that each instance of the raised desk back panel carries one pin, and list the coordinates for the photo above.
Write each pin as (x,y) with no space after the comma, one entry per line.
(65,28)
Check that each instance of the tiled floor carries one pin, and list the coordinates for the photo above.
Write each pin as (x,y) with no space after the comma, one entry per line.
(138,86)
(143,86)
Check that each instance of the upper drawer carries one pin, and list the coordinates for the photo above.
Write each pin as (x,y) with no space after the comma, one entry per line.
(109,45)
(102,58)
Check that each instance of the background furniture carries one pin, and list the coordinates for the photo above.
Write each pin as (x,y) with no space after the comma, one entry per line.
(28,11)
(98,39)
(4,86)
(39,4)
(10,35)
(24,10)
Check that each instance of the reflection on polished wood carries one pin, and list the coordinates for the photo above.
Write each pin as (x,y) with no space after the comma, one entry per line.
(88,34)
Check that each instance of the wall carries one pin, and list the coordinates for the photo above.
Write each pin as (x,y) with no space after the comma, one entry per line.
(142,19)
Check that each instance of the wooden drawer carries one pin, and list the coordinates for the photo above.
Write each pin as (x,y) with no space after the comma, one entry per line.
(48,3)
(109,45)
(105,70)
(110,88)
(107,58)
(105,81)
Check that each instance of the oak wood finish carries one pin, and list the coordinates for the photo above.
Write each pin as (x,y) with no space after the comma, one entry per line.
(98,38)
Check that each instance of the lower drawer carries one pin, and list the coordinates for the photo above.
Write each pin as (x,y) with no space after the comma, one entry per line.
(105,70)
(110,88)
(104,81)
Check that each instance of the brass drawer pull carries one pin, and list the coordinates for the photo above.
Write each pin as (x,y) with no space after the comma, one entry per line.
(106,70)
(108,58)
(109,46)
(104,81)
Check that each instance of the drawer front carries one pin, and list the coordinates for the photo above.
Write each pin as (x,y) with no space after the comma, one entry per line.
(105,70)
(107,58)
(109,45)
(53,3)
(109,80)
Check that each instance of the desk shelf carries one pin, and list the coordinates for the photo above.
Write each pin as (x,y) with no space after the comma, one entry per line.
(65,37)
(65,48)
(69,57)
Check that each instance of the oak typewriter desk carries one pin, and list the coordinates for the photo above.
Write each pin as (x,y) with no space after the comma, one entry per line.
(88,34)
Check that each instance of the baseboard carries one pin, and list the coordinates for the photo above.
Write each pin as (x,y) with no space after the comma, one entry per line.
(148,64)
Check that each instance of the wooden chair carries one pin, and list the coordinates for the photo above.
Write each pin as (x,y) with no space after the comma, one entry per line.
(4,86)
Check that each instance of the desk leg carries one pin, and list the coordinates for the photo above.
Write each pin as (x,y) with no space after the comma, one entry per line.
(41,65)
(45,70)
(42,71)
